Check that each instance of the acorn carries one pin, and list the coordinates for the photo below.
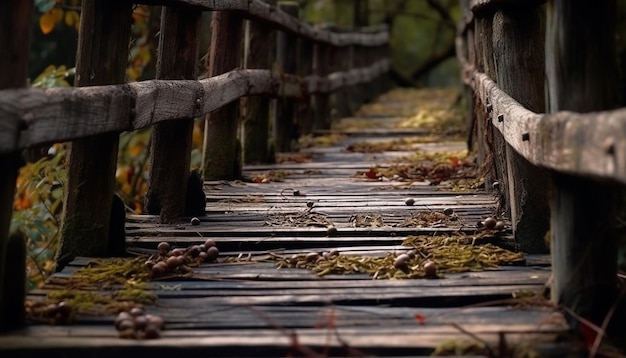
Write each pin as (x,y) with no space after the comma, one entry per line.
(151,332)
(331,230)
(64,309)
(409,201)
(123,317)
(177,252)
(212,253)
(172,262)
(136,311)
(448,211)
(489,223)
(209,243)
(156,321)
(402,263)
(195,221)
(194,250)
(499,226)
(141,322)
(430,269)
(159,268)
(163,247)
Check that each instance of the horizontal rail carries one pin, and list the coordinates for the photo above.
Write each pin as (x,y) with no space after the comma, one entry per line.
(481,5)
(31,117)
(261,11)
(585,144)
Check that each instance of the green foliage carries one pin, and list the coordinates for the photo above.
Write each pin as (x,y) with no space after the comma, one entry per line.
(38,206)
(54,76)
(44,5)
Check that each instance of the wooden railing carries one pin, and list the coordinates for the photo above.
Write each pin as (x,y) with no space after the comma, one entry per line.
(102,105)
(546,119)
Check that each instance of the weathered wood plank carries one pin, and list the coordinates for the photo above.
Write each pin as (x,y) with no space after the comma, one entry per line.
(170,142)
(14,40)
(101,59)
(260,11)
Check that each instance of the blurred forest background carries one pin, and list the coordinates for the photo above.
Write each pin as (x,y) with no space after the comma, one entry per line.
(422,54)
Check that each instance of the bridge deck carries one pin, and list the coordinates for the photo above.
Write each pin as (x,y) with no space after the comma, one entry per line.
(243,305)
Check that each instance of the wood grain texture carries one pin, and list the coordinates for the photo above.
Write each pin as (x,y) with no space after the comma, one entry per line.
(260,11)
(170,151)
(101,60)
(15,41)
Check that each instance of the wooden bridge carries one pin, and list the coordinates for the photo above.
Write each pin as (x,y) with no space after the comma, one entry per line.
(330,253)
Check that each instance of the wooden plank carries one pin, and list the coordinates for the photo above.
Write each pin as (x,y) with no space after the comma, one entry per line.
(270,342)
(259,11)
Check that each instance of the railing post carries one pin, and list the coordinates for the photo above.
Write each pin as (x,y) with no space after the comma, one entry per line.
(260,45)
(171,141)
(15,15)
(519,34)
(322,54)
(304,109)
(285,129)
(480,54)
(101,59)
(222,155)
(583,218)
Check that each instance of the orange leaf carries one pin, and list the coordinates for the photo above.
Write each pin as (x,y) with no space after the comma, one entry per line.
(371,174)
(46,23)
(420,318)
(57,14)
(455,161)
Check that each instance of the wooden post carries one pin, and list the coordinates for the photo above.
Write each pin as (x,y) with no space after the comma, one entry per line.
(581,68)
(15,15)
(304,110)
(480,48)
(260,45)
(321,101)
(101,59)
(519,33)
(171,141)
(286,43)
(222,149)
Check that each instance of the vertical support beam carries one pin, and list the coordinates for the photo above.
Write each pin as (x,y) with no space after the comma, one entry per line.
(581,67)
(321,101)
(15,16)
(260,49)
(519,33)
(222,149)
(285,129)
(480,47)
(304,110)
(101,59)
(171,141)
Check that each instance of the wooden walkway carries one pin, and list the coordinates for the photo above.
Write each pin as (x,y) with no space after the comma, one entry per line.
(244,305)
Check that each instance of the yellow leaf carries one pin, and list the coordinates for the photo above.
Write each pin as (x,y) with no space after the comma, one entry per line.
(71,18)
(46,23)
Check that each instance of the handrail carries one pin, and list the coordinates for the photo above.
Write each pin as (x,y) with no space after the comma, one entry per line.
(33,116)
(584,144)
(260,11)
